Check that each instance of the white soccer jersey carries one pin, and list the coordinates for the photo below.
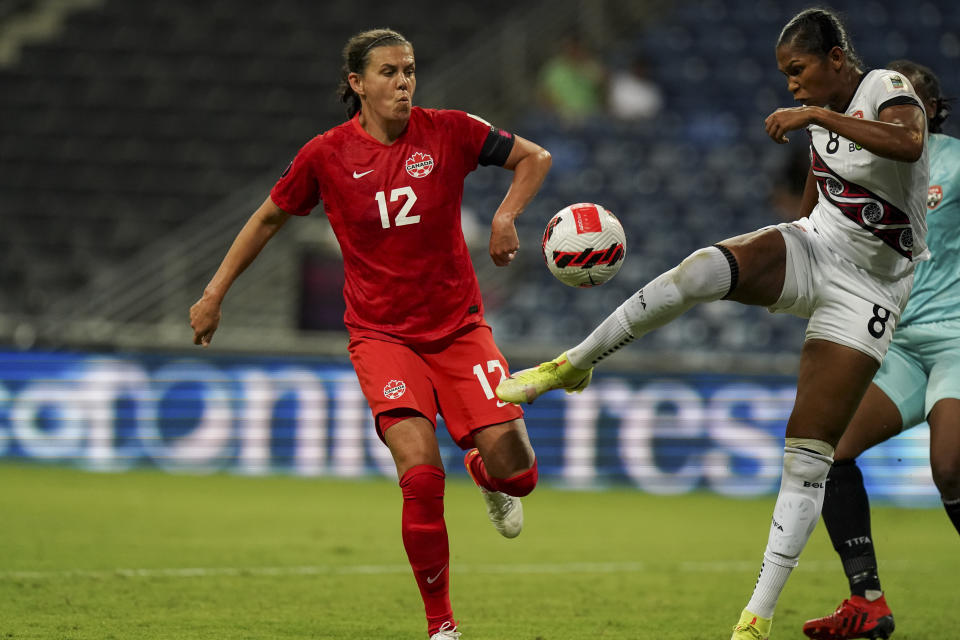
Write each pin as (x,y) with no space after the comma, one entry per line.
(871,210)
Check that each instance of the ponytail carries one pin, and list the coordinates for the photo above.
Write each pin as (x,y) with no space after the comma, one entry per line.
(356,56)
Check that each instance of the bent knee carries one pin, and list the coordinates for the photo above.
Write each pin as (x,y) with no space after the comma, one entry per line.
(423,481)
(707,274)
(521,484)
(696,275)
(946,475)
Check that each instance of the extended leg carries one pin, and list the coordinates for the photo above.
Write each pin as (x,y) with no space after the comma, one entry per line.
(748,269)
(704,276)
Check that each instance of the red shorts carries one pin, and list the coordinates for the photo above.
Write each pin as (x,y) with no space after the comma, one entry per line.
(454,377)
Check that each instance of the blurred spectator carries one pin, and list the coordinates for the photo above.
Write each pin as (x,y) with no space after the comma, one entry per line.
(633,95)
(573,82)
(321,292)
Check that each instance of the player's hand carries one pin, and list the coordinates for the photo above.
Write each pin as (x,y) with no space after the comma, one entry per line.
(204,319)
(782,121)
(504,242)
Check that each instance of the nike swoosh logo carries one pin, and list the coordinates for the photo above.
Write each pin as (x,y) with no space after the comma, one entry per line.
(360,175)
(436,577)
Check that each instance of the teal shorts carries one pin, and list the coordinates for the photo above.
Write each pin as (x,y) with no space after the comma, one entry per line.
(921,368)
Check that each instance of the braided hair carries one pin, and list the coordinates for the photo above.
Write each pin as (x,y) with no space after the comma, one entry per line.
(356,55)
(818,31)
(927,86)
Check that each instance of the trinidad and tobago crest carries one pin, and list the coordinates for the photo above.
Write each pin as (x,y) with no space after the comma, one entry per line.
(934,196)
(419,164)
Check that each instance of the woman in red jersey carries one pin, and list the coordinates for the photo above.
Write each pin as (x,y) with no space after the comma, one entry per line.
(391,182)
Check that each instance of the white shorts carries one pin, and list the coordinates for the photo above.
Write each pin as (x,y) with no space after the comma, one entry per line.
(845,304)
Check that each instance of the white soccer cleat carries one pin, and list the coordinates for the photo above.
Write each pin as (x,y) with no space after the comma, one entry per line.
(447,632)
(505,512)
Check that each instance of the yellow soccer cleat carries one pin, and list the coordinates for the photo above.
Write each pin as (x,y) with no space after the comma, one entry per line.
(752,627)
(529,384)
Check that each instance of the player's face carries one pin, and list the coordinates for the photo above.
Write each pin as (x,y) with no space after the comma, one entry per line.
(811,78)
(388,82)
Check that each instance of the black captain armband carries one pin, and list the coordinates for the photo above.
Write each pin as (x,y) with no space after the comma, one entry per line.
(497,147)
(892,102)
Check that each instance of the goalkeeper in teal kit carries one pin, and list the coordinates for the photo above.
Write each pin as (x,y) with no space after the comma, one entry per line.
(919,380)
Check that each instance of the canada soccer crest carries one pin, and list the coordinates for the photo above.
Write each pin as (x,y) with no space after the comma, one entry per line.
(934,196)
(394,389)
(419,164)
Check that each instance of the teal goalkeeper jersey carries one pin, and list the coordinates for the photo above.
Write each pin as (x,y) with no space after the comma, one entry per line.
(936,285)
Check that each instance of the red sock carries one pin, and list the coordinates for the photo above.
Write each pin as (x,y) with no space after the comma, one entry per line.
(478,471)
(521,484)
(425,540)
(518,485)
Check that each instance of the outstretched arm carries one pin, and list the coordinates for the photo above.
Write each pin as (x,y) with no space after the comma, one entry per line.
(896,134)
(205,312)
(530,163)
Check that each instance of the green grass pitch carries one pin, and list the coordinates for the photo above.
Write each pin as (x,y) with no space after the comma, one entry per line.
(144,555)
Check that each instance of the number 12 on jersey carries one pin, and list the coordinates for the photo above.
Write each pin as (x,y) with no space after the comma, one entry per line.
(402,218)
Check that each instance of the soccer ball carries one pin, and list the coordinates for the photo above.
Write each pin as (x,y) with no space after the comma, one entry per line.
(584,245)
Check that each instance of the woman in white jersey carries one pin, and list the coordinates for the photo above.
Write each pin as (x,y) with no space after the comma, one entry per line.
(848,267)
(918,380)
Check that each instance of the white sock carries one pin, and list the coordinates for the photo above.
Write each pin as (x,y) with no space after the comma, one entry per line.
(770,582)
(704,276)
(794,518)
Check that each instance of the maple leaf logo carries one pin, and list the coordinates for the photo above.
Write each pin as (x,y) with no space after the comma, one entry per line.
(419,164)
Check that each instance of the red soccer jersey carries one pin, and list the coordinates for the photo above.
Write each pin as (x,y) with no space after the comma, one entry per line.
(395,210)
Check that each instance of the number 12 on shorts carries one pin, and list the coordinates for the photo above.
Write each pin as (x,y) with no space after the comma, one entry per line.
(492,365)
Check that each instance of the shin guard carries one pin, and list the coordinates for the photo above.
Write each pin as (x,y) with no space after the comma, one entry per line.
(846,513)
(425,540)
(805,466)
